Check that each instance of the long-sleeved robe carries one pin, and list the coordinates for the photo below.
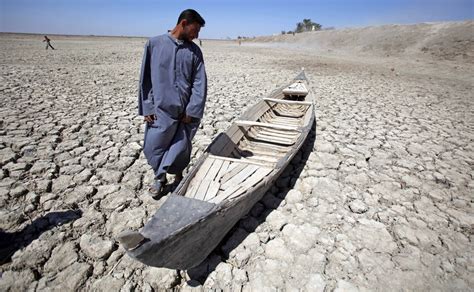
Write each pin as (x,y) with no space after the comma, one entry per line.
(173,83)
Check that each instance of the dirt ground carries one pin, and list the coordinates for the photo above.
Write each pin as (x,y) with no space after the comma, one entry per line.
(379,198)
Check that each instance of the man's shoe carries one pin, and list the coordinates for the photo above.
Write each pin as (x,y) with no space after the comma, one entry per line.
(157,190)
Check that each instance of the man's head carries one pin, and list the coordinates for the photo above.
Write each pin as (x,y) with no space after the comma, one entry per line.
(189,24)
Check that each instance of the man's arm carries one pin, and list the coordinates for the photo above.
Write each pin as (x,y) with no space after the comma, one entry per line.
(145,92)
(197,100)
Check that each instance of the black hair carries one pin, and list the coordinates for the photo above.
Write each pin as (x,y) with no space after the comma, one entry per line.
(191,16)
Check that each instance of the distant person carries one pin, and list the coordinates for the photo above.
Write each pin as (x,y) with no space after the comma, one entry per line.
(48,42)
(240,42)
(200,43)
(172,96)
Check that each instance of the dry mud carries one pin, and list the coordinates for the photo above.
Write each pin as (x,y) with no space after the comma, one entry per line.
(379,198)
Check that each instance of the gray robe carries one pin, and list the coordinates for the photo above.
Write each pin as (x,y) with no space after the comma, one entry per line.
(173,83)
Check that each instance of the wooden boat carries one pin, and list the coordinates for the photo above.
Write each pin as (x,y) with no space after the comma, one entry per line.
(235,171)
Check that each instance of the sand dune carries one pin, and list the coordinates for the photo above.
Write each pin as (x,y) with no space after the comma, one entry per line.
(442,41)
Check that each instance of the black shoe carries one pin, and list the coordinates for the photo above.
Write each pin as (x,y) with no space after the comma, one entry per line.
(158,189)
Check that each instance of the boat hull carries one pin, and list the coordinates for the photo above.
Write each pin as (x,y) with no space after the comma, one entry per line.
(185,230)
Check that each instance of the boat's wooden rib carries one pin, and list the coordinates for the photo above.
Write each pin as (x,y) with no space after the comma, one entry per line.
(261,151)
(234,173)
(267,125)
(271,116)
(262,138)
(278,134)
(266,144)
(243,161)
(282,101)
(270,138)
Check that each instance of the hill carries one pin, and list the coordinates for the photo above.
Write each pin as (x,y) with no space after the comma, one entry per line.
(441,41)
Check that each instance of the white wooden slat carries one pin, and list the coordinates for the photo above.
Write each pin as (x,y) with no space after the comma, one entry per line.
(275,133)
(268,145)
(224,169)
(259,124)
(241,188)
(234,171)
(273,139)
(206,181)
(237,160)
(252,181)
(196,181)
(239,177)
(284,101)
(212,190)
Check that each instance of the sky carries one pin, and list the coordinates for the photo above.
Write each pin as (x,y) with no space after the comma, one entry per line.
(224,19)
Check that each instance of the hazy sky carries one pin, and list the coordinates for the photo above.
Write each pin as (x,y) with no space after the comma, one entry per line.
(223,18)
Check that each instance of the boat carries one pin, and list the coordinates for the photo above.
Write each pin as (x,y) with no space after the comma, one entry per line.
(233,174)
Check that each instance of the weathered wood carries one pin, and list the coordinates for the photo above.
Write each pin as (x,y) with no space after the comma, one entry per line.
(208,178)
(241,160)
(277,133)
(240,177)
(267,145)
(196,182)
(240,188)
(258,124)
(185,230)
(234,172)
(284,101)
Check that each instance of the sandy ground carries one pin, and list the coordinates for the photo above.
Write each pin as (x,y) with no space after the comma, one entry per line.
(379,198)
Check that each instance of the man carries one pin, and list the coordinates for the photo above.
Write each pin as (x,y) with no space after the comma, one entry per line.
(48,42)
(172,96)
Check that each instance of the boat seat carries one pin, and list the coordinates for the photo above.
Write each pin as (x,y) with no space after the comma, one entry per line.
(241,123)
(283,101)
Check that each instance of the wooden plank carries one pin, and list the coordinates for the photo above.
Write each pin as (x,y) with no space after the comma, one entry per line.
(227,142)
(243,187)
(272,139)
(277,133)
(232,173)
(233,184)
(258,124)
(224,169)
(268,145)
(284,101)
(235,160)
(199,176)
(251,181)
(261,158)
(213,190)
(261,151)
(280,132)
(278,120)
(239,177)
(206,181)
(276,117)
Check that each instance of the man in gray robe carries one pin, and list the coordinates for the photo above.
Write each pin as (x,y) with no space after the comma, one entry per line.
(172,96)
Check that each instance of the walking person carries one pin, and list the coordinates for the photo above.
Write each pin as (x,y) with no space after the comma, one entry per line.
(48,42)
(172,96)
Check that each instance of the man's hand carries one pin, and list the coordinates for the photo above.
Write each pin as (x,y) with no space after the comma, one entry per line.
(149,119)
(186,119)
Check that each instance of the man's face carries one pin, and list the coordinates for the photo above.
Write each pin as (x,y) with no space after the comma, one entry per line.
(191,31)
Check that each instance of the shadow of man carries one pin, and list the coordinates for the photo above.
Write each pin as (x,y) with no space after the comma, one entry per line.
(11,242)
